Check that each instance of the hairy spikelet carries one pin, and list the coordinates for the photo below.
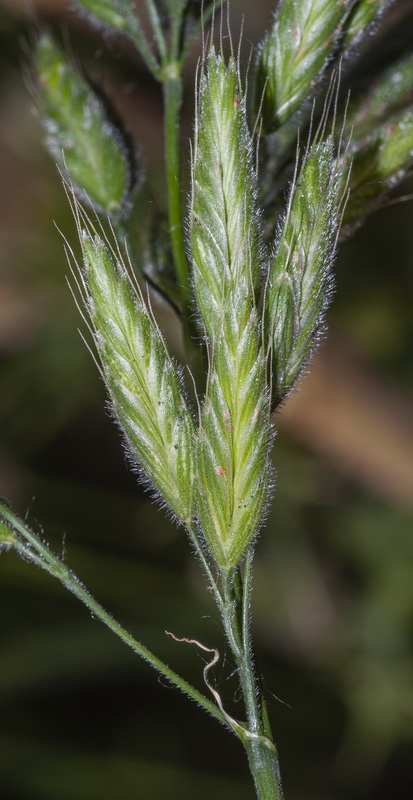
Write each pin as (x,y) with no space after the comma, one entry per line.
(365,14)
(387,94)
(116,13)
(224,230)
(141,379)
(120,15)
(295,53)
(299,280)
(376,164)
(234,431)
(79,136)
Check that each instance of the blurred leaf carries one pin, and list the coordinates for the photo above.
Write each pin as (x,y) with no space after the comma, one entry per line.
(88,776)
(376,673)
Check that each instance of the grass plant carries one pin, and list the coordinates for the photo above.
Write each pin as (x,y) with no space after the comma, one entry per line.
(282,166)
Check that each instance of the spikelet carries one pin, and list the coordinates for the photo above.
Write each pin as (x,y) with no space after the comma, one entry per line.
(304,36)
(299,279)
(234,430)
(391,91)
(80,137)
(376,164)
(363,17)
(143,384)
(119,15)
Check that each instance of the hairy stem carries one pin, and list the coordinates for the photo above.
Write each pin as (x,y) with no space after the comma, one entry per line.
(194,538)
(15,534)
(172,92)
(157,28)
(261,751)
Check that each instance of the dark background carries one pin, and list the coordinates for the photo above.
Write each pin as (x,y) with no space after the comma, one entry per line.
(80,715)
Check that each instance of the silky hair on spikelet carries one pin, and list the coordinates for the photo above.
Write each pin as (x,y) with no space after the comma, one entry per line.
(144,386)
(226,252)
(300,282)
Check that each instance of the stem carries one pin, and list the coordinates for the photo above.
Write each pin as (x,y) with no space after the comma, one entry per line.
(261,751)
(138,37)
(17,535)
(172,92)
(193,535)
(264,767)
(157,28)
(200,27)
(232,618)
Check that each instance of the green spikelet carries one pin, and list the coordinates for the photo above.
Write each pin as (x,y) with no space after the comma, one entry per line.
(365,14)
(298,47)
(117,14)
(79,135)
(141,379)
(299,280)
(234,430)
(121,16)
(377,164)
(389,93)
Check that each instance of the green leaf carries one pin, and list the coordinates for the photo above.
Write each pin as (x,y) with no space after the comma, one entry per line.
(80,137)
(304,35)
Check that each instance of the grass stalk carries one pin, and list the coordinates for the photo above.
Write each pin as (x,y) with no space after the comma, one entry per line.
(261,751)
(14,533)
(254,272)
(172,94)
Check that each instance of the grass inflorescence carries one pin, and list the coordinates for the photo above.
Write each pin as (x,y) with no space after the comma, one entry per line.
(251,284)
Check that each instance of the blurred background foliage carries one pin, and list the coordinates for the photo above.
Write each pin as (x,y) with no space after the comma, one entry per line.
(81,717)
